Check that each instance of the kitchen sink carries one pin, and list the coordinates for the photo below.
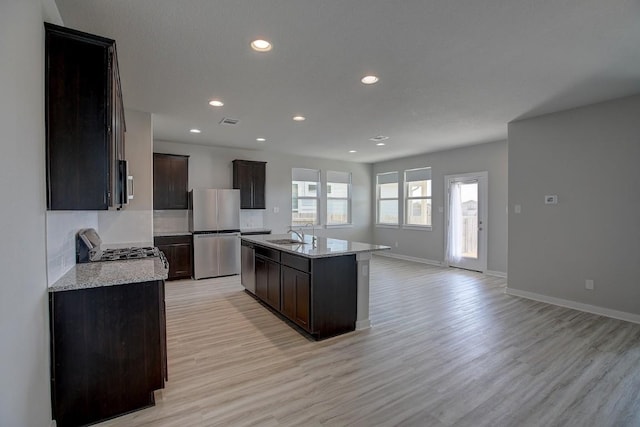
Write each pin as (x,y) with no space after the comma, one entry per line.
(286,242)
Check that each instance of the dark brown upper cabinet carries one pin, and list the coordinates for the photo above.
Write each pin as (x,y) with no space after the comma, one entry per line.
(85,123)
(170,181)
(249,178)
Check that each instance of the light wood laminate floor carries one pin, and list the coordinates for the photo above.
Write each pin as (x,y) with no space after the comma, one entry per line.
(447,348)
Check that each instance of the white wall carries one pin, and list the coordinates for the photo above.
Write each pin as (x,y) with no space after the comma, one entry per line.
(24,334)
(210,167)
(134,224)
(588,157)
(429,245)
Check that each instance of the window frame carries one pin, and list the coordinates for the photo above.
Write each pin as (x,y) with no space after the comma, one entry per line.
(328,182)
(379,199)
(317,197)
(408,198)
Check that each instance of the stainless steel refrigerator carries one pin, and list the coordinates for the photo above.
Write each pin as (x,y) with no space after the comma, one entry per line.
(214,220)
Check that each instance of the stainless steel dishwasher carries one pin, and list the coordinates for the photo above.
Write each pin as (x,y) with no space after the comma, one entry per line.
(248,277)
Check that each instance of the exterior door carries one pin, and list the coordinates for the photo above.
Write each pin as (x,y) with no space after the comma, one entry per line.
(466,221)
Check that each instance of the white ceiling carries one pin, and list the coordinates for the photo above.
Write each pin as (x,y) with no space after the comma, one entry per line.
(452,72)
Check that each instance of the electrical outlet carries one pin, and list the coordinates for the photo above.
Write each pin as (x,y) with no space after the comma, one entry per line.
(517,209)
(276,209)
(588,284)
(396,244)
(551,200)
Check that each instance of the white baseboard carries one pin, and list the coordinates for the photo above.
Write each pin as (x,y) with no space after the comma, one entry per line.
(409,258)
(588,308)
(496,273)
(363,324)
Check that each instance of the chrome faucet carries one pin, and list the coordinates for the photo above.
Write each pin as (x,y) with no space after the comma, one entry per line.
(313,234)
(300,233)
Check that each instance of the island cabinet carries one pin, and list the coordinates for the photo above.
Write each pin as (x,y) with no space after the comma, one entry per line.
(267,266)
(108,350)
(170,181)
(85,123)
(249,178)
(317,294)
(179,253)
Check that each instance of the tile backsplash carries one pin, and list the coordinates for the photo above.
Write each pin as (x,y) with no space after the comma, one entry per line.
(251,218)
(170,221)
(62,227)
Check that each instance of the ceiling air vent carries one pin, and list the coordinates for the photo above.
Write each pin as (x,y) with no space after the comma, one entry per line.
(378,138)
(228,121)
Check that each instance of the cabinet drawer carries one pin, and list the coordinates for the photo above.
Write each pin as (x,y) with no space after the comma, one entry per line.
(171,240)
(297,262)
(268,253)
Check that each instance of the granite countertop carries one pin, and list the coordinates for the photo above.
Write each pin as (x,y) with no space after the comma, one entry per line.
(171,233)
(325,247)
(111,273)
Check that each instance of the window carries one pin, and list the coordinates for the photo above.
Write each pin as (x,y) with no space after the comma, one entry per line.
(305,196)
(338,198)
(387,198)
(417,196)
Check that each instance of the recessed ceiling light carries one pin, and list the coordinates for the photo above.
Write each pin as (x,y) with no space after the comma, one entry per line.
(261,45)
(299,118)
(260,139)
(369,80)
(216,103)
(380,144)
(378,138)
(352,151)
(195,131)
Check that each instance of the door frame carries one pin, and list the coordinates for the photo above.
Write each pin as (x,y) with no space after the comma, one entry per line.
(483,212)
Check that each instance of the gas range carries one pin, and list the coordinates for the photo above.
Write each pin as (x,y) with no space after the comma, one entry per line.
(89,249)
(125,253)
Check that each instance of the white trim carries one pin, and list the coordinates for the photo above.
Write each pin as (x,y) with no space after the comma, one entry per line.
(496,273)
(417,227)
(588,308)
(363,324)
(410,258)
(339,226)
(387,226)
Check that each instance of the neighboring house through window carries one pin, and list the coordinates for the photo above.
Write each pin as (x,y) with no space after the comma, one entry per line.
(387,198)
(305,196)
(338,198)
(417,196)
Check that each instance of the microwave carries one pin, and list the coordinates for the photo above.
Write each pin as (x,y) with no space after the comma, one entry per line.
(125,192)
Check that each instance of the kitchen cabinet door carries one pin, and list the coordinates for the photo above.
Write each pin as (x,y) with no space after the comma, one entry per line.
(179,253)
(268,281)
(296,292)
(249,178)
(84,121)
(170,181)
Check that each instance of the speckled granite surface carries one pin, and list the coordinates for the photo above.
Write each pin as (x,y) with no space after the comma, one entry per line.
(111,273)
(325,247)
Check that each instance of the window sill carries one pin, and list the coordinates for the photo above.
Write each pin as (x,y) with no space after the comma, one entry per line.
(339,226)
(418,227)
(387,226)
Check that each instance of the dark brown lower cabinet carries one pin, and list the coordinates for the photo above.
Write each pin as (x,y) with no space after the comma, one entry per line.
(108,351)
(268,281)
(296,292)
(317,294)
(179,253)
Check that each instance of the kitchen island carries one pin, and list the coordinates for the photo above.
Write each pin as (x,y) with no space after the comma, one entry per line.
(320,284)
(108,339)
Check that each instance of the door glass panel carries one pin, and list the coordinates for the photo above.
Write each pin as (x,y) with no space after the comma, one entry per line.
(469,209)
